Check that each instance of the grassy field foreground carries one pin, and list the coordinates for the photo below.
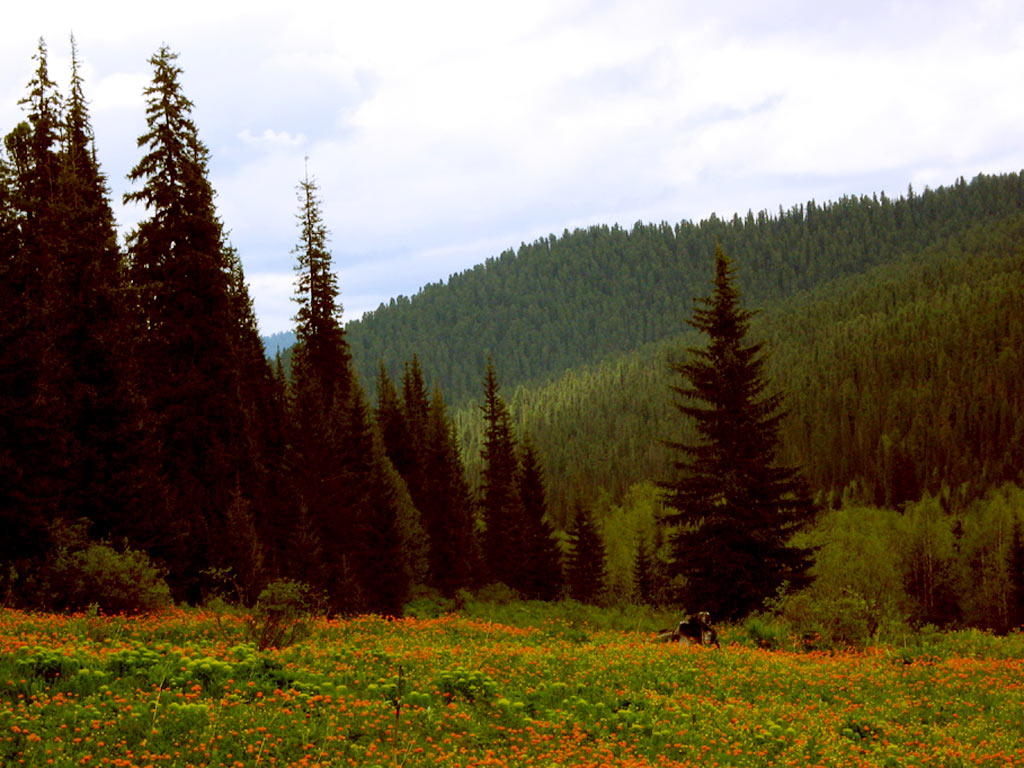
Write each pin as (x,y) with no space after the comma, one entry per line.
(180,689)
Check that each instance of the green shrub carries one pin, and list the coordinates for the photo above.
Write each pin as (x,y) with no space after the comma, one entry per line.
(112,581)
(281,615)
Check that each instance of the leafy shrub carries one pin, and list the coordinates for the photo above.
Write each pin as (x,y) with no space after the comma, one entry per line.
(99,575)
(767,631)
(281,615)
(497,593)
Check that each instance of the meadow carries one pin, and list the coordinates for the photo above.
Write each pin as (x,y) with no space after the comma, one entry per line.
(184,688)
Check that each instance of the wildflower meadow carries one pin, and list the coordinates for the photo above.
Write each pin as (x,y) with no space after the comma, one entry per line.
(183,688)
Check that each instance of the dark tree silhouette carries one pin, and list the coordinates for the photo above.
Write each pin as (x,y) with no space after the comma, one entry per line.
(585,571)
(500,503)
(734,508)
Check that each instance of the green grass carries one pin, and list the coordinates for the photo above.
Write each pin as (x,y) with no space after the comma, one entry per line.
(545,685)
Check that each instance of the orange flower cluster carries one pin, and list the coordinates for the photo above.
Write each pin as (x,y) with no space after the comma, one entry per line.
(184,689)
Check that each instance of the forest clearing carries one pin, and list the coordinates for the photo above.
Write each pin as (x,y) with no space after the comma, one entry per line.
(182,688)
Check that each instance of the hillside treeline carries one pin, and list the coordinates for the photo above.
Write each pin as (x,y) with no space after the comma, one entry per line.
(561,302)
(900,382)
(148,448)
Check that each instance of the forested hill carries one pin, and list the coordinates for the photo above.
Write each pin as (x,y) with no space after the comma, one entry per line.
(900,382)
(565,301)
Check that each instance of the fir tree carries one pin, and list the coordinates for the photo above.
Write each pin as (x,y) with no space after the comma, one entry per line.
(734,507)
(448,512)
(540,572)
(391,423)
(36,450)
(114,479)
(585,571)
(643,574)
(353,496)
(1016,572)
(500,503)
(187,283)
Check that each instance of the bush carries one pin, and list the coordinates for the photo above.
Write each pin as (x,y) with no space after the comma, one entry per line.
(112,581)
(281,615)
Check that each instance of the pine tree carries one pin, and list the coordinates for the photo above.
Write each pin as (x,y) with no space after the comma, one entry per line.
(113,478)
(540,572)
(448,513)
(183,274)
(734,507)
(356,503)
(33,441)
(390,418)
(500,503)
(35,445)
(585,572)
(643,574)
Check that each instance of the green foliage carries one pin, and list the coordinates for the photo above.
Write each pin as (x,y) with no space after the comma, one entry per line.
(573,300)
(732,508)
(585,570)
(563,690)
(281,615)
(114,581)
(923,350)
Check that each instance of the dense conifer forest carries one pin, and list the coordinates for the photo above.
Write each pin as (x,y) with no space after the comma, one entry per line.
(510,431)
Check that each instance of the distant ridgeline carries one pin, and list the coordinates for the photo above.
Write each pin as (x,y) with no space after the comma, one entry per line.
(565,301)
(900,382)
(278,342)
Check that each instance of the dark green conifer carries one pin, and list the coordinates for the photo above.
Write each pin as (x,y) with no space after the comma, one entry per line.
(343,478)
(643,574)
(448,514)
(35,444)
(113,477)
(391,423)
(187,283)
(500,503)
(585,572)
(734,508)
(540,571)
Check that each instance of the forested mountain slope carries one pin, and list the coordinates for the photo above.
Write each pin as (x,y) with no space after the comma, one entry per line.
(564,301)
(902,381)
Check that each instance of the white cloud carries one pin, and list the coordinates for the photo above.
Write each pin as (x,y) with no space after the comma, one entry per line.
(271,139)
(442,133)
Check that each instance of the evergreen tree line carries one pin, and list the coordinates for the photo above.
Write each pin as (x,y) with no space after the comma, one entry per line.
(561,302)
(901,383)
(140,413)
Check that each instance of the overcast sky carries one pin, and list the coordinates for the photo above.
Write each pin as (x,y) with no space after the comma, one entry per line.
(443,132)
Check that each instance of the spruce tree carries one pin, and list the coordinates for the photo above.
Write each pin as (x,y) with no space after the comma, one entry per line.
(37,449)
(1015,609)
(540,572)
(500,502)
(113,476)
(390,418)
(734,508)
(643,574)
(187,283)
(448,512)
(585,571)
(357,505)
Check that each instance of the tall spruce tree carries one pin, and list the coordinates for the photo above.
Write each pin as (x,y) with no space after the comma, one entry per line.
(540,572)
(586,571)
(181,271)
(448,512)
(357,506)
(113,478)
(34,445)
(734,508)
(500,502)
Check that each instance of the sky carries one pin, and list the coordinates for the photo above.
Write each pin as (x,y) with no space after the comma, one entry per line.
(442,133)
